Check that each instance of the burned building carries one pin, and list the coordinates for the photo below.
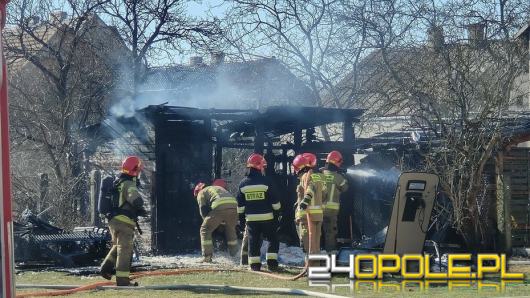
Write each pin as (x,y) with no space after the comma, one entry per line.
(189,146)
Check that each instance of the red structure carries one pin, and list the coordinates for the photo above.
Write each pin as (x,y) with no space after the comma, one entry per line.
(6,221)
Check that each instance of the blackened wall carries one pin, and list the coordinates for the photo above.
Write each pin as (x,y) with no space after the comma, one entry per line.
(183,158)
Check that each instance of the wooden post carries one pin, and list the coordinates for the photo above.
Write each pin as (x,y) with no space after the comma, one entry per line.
(348,138)
(95,182)
(503,200)
(218,162)
(508,214)
(297,140)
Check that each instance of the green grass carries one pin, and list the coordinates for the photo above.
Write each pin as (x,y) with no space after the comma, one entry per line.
(245,279)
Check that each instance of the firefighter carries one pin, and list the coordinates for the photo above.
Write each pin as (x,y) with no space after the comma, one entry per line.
(259,208)
(123,221)
(310,192)
(244,243)
(336,184)
(217,207)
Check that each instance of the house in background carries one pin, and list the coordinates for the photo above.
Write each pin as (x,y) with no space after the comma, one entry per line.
(221,84)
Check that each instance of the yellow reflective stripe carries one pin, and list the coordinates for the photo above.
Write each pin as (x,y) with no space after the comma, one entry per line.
(272,256)
(207,242)
(314,207)
(260,217)
(329,178)
(225,200)
(130,191)
(316,177)
(332,192)
(254,260)
(232,242)
(122,273)
(343,183)
(241,209)
(277,206)
(254,188)
(125,219)
(332,205)
(315,211)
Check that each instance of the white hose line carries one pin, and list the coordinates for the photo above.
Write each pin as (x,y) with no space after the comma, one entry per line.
(190,287)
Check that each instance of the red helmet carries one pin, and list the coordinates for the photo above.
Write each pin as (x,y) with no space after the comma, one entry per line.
(131,166)
(219,182)
(335,157)
(311,158)
(256,161)
(300,162)
(198,188)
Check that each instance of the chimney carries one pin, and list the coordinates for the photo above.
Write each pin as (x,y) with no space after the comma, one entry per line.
(435,37)
(34,20)
(476,33)
(58,16)
(196,61)
(217,58)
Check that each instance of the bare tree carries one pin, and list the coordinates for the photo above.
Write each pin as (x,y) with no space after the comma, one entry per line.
(307,36)
(155,31)
(60,77)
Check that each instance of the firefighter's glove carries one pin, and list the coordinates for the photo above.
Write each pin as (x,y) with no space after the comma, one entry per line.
(303,205)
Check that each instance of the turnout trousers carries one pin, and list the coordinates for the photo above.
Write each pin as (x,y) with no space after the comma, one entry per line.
(121,252)
(257,230)
(329,227)
(304,231)
(212,221)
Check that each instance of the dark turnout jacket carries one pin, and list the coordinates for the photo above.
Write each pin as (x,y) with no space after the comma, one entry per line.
(256,197)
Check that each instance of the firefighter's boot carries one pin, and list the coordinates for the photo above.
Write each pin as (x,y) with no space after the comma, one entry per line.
(125,282)
(255,267)
(106,270)
(272,265)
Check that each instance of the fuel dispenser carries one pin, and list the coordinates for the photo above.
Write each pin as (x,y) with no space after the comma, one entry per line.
(411,213)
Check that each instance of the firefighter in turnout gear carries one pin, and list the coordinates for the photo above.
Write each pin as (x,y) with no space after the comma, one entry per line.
(217,207)
(122,222)
(336,184)
(259,207)
(310,192)
(259,162)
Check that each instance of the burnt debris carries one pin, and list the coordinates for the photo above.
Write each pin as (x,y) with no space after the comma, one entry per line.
(189,146)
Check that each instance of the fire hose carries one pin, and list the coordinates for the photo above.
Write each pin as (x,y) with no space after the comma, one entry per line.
(99,285)
(284,291)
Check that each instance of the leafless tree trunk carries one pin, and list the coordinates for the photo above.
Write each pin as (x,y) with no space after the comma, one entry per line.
(155,31)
